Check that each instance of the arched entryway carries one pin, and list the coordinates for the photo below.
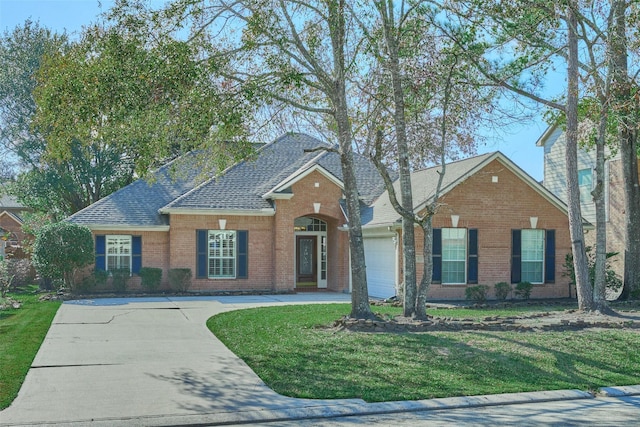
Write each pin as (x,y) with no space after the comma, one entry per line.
(310,253)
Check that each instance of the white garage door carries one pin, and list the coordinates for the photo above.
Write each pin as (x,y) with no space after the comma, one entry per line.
(380,256)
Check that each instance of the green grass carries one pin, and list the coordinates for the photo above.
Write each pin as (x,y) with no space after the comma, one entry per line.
(21,333)
(295,358)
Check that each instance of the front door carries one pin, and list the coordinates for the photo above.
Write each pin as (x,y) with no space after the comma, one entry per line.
(306,260)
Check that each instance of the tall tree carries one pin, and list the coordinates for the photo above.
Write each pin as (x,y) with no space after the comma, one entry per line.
(21,53)
(535,44)
(126,107)
(296,54)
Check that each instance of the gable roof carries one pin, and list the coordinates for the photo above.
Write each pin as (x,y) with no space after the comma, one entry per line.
(13,216)
(245,188)
(424,182)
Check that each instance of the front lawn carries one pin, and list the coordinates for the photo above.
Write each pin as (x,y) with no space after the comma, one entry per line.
(21,333)
(295,358)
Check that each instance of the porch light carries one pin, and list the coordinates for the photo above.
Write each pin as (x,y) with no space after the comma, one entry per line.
(534,221)
(316,207)
(454,220)
(222,223)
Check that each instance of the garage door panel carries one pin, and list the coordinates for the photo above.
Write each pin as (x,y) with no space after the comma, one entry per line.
(380,255)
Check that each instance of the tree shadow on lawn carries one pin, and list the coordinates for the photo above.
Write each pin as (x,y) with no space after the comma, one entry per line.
(578,366)
(385,367)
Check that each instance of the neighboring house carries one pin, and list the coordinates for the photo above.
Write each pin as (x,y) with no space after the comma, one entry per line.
(275,223)
(11,235)
(494,224)
(555,179)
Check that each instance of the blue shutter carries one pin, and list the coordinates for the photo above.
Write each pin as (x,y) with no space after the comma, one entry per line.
(136,254)
(437,256)
(242,254)
(472,262)
(202,265)
(516,256)
(550,257)
(101,248)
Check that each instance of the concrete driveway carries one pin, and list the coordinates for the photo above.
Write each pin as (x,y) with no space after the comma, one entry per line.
(153,362)
(136,360)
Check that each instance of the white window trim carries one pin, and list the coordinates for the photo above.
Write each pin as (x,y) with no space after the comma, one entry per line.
(544,242)
(117,237)
(235,255)
(466,256)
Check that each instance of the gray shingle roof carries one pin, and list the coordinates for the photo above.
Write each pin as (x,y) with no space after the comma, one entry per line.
(137,204)
(240,187)
(423,186)
(244,184)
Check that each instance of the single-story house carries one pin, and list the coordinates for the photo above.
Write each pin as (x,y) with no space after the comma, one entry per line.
(495,223)
(276,222)
(273,223)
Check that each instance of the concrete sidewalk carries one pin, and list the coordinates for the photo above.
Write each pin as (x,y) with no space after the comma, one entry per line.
(153,362)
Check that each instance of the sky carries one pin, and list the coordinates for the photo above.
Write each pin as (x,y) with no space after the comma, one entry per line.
(518,141)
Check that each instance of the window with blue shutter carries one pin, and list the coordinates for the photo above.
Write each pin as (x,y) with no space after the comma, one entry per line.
(202,258)
(437,255)
(136,254)
(472,260)
(100,253)
(516,250)
(243,254)
(550,257)
(222,254)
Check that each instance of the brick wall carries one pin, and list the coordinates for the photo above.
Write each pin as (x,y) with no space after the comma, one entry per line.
(155,252)
(495,209)
(306,193)
(271,240)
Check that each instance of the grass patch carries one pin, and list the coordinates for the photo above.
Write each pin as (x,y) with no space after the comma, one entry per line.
(21,333)
(282,345)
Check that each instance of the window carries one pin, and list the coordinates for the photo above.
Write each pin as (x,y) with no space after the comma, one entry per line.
(532,256)
(309,224)
(454,255)
(585,182)
(222,254)
(118,252)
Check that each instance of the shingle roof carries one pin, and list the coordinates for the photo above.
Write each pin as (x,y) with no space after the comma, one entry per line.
(137,204)
(240,187)
(423,186)
(7,201)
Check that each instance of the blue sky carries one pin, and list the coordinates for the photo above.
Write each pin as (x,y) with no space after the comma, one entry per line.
(516,142)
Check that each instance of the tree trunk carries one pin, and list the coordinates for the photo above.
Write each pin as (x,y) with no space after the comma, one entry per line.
(599,281)
(628,150)
(427,272)
(360,308)
(583,285)
(386,11)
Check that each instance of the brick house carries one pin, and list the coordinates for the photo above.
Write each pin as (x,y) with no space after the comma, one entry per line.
(11,235)
(555,178)
(277,223)
(274,223)
(495,224)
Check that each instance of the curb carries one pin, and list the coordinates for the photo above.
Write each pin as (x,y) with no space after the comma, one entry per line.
(343,408)
(620,391)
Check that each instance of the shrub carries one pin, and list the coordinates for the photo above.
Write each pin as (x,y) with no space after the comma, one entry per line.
(96,278)
(61,249)
(523,290)
(151,278)
(5,278)
(502,290)
(120,278)
(22,271)
(180,279)
(613,282)
(477,294)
